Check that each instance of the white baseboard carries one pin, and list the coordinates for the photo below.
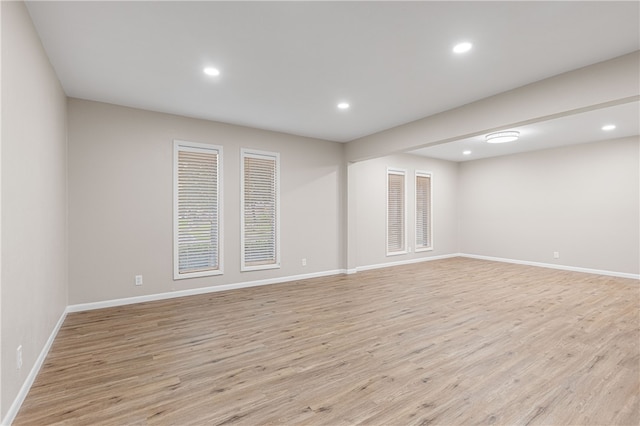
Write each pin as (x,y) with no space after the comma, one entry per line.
(192,292)
(554,266)
(404,262)
(26,386)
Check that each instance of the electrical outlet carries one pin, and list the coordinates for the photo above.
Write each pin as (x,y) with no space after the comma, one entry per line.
(19,357)
(138,279)
(556,255)
(304,261)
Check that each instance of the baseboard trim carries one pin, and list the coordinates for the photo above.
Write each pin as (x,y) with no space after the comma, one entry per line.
(26,386)
(553,266)
(404,262)
(192,292)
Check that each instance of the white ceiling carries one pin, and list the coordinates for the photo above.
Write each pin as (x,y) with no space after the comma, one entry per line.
(569,130)
(285,65)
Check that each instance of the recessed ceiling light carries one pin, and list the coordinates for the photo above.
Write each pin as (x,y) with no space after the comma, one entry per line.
(343,105)
(608,127)
(466,152)
(502,137)
(212,71)
(462,47)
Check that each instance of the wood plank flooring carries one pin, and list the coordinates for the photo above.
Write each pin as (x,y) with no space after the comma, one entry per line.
(456,341)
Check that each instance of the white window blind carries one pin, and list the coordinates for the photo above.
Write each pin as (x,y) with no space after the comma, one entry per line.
(260,210)
(197,212)
(423,211)
(396,229)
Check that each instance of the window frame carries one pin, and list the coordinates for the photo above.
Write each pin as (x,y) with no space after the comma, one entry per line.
(244,153)
(422,248)
(403,173)
(181,145)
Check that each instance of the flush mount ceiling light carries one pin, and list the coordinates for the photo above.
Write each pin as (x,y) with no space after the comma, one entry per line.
(462,47)
(211,71)
(466,152)
(343,105)
(502,137)
(608,127)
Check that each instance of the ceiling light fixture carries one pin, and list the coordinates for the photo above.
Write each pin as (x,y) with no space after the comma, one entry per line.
(608,127)
(212,71)
(462,47)
(466,152)
(502,137)
(343,105)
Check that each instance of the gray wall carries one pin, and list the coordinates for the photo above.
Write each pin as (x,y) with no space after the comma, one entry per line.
(369,218)
(34,198)
(581,201)
(120,200)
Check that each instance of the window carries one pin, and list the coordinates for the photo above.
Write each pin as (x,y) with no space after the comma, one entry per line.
(260,215)
(396,217)
(197,213)
(423,211)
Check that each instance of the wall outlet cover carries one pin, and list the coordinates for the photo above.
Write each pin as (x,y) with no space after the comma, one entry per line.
(19,357)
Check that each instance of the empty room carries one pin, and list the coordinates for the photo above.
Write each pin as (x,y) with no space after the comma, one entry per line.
(320,213)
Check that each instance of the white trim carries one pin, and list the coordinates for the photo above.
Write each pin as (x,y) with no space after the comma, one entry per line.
(415,198)
(403,173)
(253,153)
(423,249)
(260,267)
(553,266)
(245,284)
(195,291)
(26,386)
(180,145)
(497,259)
(406,262)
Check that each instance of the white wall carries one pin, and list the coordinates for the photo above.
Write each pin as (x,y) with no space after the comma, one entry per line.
(120,201)
(369,188)
(34,198)
(582,201)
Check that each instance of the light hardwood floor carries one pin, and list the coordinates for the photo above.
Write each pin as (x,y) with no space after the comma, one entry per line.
(456,341)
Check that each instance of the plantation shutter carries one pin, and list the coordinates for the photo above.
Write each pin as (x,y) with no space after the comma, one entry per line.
(197,226)
(423,210)
(395,212)
(260,211)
